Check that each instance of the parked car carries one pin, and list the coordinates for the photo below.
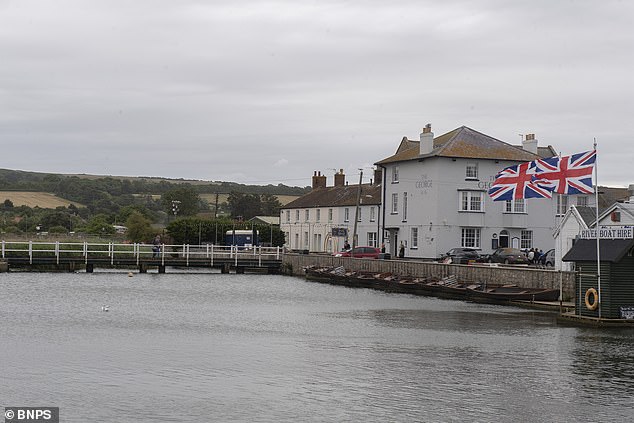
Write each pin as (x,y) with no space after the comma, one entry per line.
(460,255)
(360,252)
(508,256)
(548,259)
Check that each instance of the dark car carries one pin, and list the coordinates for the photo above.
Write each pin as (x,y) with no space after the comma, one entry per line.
(508,256)
(548,258)
(460,255)
(360,252)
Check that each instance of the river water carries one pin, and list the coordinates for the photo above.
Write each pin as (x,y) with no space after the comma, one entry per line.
(181,347)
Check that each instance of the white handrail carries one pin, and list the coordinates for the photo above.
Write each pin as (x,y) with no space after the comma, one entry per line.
(138,251)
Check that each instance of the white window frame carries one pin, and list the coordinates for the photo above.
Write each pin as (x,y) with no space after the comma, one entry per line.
(346,214)
(329,215)
(414,238)
(515,206)
(307,215)
(359,211)
(317,215)
(470,237)
(466,201)
(288,216)
(526,239)
(297,215)
(582,200)
(372,239)
(471,171)
(404,207)
(395,203)
(395,174)
(562,204)
(372,214)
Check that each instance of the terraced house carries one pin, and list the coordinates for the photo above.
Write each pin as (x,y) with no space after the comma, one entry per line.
(435,196)
(323,219)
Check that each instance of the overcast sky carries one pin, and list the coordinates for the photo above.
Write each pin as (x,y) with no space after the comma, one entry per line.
(266,92)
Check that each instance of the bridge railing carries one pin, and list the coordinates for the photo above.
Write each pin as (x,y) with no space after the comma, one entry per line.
(138,251)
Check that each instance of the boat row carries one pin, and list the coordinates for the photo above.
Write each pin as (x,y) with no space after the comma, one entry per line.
(447,287)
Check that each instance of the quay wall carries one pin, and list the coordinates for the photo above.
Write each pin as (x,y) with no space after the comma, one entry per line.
(527,277)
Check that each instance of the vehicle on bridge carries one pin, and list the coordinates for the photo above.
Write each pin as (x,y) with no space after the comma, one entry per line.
(242,238)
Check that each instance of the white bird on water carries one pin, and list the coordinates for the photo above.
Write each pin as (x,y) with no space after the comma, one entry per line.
(104,308)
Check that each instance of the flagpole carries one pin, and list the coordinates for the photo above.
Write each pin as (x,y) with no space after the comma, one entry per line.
(596,205)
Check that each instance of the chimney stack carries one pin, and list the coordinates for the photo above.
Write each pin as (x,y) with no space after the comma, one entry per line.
(529,143)
(426,140)
(378,176)
(319,180)
(340,178)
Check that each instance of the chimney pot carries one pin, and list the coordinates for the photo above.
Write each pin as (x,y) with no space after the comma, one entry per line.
(530,143)
(340,178)
(426,140)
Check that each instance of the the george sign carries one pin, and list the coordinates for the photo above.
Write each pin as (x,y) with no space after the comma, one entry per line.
(608,232)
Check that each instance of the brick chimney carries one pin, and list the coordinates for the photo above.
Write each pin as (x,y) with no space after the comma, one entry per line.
(426,140)
(530,143)
(319,180)
(378,176)
(340,178)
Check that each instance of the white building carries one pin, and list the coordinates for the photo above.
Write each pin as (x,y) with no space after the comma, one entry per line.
(580,217)
(435,196)
(323,219)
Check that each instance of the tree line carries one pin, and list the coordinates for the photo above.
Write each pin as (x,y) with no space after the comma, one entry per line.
(140,204)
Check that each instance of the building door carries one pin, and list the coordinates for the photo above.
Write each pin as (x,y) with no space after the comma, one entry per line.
(504,239)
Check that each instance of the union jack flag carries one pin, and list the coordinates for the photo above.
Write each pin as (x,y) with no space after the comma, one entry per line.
(516,182)
(569,175)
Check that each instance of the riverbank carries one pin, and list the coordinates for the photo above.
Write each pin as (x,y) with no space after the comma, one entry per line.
(527,277)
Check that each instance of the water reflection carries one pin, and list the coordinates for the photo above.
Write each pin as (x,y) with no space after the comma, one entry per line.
(269,348)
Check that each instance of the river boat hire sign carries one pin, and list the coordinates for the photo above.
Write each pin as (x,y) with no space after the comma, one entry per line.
(608,232)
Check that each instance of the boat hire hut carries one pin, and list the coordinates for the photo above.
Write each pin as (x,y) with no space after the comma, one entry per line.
(610,296)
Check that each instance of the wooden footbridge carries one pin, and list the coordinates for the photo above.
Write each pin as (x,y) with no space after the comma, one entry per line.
(76,256)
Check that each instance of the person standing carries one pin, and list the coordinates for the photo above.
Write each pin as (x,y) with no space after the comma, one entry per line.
(156,246)
(401,250)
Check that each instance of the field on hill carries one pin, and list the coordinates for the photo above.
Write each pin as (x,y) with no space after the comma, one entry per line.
(43,200)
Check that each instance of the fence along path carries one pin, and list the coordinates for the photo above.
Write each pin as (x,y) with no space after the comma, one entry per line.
(89,254)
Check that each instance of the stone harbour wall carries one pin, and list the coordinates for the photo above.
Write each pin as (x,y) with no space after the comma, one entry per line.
(524,276)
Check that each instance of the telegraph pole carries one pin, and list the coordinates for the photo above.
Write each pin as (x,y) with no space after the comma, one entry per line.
(356,213)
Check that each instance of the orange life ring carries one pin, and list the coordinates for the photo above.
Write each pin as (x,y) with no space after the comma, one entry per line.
(595,301)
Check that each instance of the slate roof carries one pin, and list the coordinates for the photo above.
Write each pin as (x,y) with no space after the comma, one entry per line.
(610,195)
(337,196)
(465,142)
(588,214)
(612,250)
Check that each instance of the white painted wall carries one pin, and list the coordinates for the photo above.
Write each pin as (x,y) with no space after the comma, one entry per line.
(433,191)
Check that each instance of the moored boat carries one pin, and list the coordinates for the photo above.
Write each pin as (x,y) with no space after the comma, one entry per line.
(505,293)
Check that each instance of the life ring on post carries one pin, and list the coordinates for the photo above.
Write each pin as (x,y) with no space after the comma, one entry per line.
(595,299)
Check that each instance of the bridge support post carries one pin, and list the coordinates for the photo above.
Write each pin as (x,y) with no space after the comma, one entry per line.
(4,266)
(161,268)
(90,267)
(224,269)
(142,268)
